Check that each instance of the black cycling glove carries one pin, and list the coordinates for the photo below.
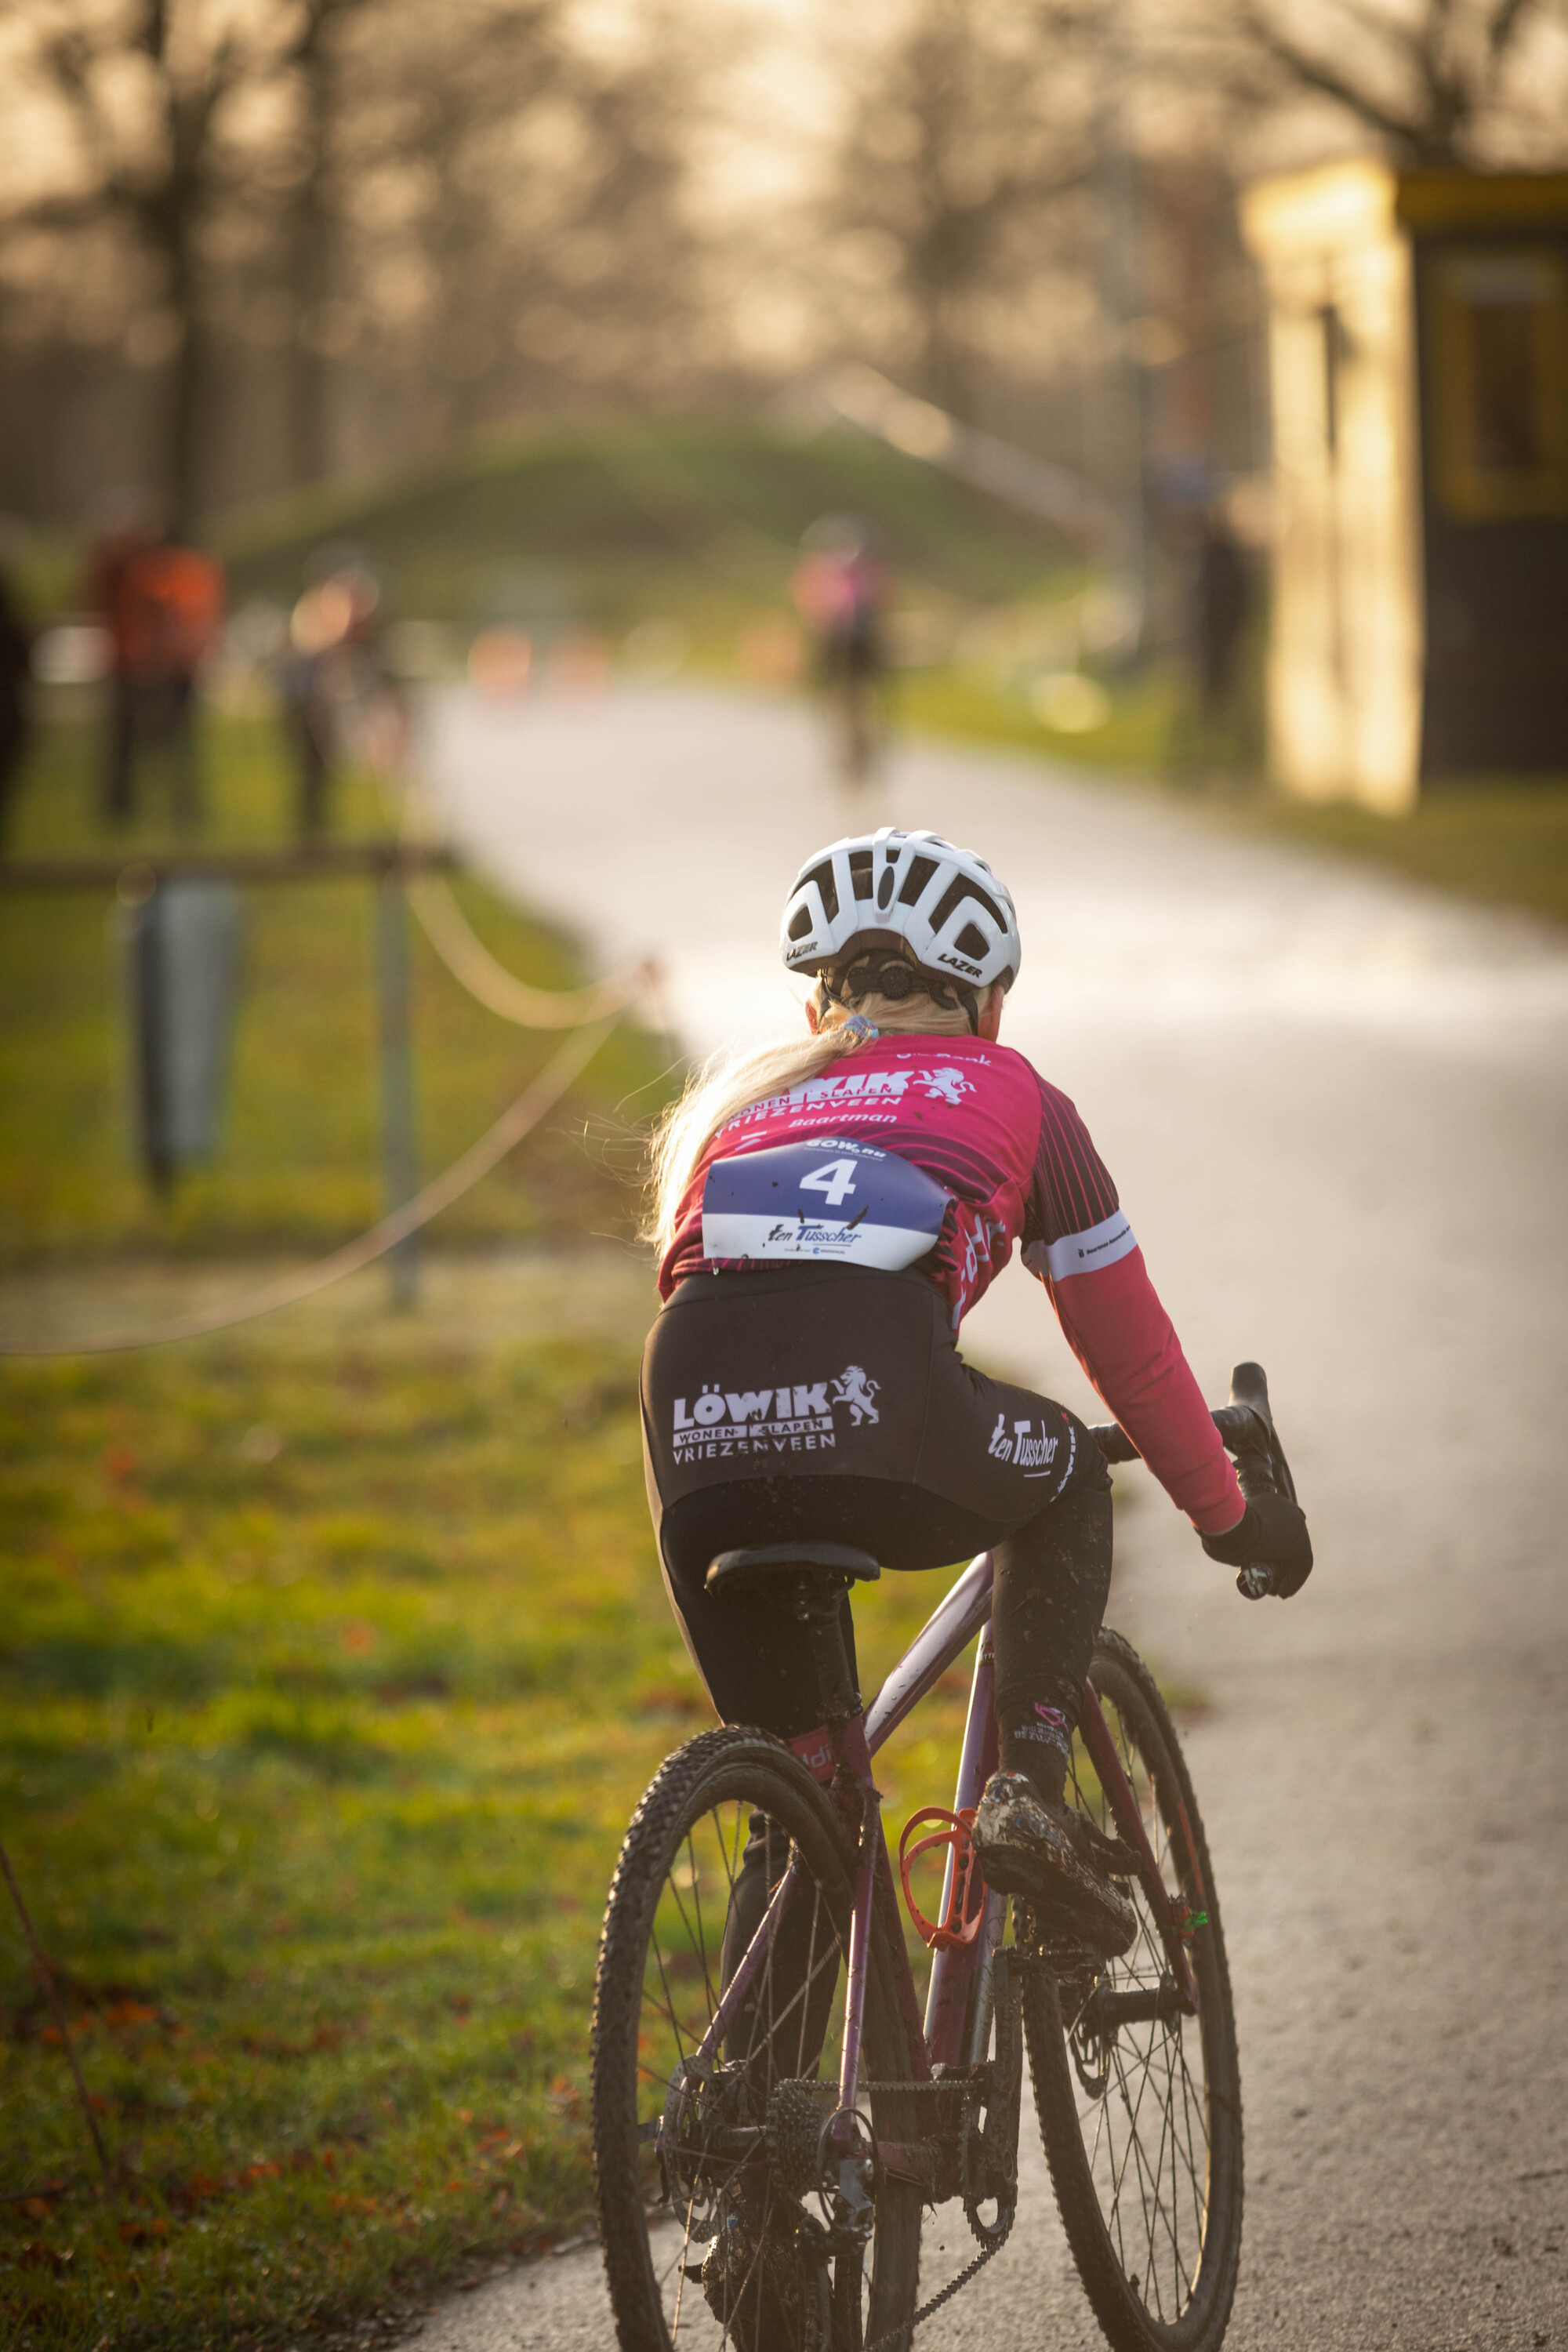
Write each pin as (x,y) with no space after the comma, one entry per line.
(1272,1531)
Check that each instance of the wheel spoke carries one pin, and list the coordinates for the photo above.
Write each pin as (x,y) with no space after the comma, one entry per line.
(674,1889)
(669,2000)
(695,1884)
(1147,2146)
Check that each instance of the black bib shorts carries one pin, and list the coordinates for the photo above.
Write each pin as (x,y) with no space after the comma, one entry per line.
(830,1405)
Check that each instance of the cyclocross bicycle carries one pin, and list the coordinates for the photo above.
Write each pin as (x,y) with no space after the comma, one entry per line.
(753,2194)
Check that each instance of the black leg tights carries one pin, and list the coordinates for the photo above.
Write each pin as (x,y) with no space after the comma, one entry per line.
(1052,1578)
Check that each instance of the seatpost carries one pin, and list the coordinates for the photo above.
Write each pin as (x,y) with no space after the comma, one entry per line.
(837,1694)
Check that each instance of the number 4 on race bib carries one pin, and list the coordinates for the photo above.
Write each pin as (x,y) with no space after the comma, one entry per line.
(876,1209)
(833,1182)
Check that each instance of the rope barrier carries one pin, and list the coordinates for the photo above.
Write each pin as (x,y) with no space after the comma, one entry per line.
(538,1096)
(592,1013)
(471,964)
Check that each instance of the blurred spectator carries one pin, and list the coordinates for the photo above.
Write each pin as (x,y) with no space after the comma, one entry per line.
(331,665)
(1211,734)
(1221,596)
(840,592)
(15,648)
(162,605)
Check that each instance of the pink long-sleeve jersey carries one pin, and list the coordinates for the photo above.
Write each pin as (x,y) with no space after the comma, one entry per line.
(1018,1166)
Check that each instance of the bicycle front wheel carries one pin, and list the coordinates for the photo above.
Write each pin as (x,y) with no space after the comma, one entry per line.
(705,2148)
(1142,2119)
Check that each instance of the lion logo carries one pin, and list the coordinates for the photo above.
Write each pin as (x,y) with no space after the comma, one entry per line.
(946,1085)
(852,1388)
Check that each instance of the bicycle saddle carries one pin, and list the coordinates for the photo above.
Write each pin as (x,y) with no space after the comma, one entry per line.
(806,1577)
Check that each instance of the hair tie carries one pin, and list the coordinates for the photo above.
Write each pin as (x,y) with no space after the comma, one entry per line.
(859,1028)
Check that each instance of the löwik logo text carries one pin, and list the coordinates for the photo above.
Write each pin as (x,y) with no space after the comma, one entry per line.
(795,1418)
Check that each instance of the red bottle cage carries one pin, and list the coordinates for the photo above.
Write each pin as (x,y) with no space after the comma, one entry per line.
(966,1901)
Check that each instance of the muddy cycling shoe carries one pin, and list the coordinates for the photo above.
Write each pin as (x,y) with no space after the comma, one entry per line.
(1037,1848)
(763,2278)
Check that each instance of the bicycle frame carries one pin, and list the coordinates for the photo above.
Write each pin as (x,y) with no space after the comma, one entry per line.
(938,2038)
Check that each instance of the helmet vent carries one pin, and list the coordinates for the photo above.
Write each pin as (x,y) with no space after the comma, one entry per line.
(971,943)
(823,876)
(914,882)
(953,896)
(860,872)
(800,923)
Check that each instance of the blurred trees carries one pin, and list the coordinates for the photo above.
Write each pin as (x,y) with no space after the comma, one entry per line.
(298,189)
(1435,84)
(158,132)
(970,122)
(509,204)
(245,242)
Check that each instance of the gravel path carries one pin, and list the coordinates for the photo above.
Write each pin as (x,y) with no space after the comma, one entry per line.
(1337,1109)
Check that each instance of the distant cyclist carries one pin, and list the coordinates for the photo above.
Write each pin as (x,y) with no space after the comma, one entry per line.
(840,590)
(827,1209)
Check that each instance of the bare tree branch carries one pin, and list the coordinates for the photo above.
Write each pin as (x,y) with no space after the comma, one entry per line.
(1317,75)
(1451,56)
(1503,26)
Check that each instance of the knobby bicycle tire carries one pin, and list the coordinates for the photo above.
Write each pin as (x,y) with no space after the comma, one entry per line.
(740,1773)
(1163,2296)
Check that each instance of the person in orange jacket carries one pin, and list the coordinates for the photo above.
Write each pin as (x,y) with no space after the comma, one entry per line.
(163,603)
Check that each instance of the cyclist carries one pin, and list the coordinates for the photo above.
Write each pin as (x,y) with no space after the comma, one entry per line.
(827,1209)
(840,589)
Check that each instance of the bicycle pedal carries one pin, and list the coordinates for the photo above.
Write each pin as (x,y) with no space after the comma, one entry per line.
(1111,1855)
(1066,1957)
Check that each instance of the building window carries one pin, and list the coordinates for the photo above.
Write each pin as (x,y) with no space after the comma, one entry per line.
(1498,355)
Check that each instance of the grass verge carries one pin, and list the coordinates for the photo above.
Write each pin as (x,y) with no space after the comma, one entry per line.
(1504,841)
(976,708)
(331,1674)
(299,1765)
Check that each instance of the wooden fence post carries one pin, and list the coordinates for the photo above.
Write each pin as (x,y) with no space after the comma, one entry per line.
(400,1169)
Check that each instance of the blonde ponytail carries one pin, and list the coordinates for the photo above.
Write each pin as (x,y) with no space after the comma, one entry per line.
(731,1080)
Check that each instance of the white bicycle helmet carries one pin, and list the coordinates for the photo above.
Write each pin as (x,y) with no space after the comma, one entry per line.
(944,903)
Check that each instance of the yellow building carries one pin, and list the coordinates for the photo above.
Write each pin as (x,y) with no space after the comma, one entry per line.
(1418,346)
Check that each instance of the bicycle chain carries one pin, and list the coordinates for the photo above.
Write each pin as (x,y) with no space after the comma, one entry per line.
(894,2337)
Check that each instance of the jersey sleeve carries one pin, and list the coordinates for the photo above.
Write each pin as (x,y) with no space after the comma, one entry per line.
(1079,1243)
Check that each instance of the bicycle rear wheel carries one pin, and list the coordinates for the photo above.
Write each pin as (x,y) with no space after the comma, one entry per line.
(1142,2121)
(712,2236)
